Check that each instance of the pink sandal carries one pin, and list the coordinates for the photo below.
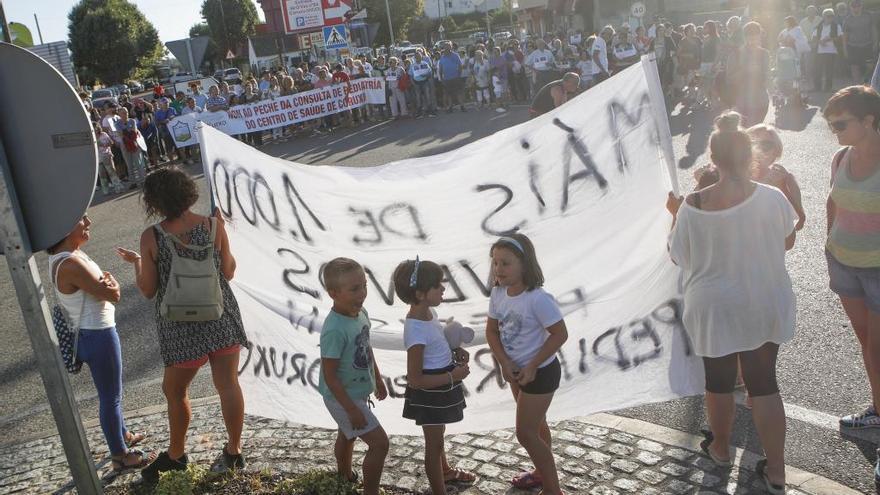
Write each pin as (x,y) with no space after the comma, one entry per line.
(527,480)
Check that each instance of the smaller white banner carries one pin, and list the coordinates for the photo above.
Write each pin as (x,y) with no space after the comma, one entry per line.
(285,110)
(303,14)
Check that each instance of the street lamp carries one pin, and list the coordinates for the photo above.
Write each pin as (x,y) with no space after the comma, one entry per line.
(390,28)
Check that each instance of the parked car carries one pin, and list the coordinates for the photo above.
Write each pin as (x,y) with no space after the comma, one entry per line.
(103,97)
(121,90)
(149,84)
(135,87)
(181,76)
(479,37)
(232,76)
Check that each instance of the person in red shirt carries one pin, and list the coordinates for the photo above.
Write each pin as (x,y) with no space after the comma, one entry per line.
(158,91)
(341,77)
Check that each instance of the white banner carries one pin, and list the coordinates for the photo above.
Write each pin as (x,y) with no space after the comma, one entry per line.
(281,111)
(587,183)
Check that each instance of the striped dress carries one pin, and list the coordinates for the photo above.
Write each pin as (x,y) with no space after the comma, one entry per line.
(854,239)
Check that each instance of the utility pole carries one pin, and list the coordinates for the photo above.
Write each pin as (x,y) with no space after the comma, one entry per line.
(38,28)
(390,28)
(225,33)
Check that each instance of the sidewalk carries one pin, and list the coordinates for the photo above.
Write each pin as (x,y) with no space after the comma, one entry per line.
(596,455)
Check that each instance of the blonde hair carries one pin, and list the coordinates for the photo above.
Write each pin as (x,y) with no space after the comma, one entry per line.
(336,268)
(770,131)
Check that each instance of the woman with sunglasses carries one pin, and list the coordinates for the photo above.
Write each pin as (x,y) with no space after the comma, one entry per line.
(852,249)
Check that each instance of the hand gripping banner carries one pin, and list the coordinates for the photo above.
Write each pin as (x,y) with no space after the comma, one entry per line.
(587,183)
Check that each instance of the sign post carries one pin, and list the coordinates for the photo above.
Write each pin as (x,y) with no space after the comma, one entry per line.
(48,171)
(32,300)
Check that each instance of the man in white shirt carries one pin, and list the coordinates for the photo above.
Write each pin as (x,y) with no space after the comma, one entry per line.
(542,62)
(600,55)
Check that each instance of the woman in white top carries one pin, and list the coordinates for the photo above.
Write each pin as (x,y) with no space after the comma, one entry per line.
(730,240)
(87,295)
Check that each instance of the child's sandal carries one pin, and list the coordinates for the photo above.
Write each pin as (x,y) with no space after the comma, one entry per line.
(134,439)
(141,460)
(459,476)
(527,480)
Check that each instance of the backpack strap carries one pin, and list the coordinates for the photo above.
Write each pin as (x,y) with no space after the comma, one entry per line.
(56,266)
(174,239)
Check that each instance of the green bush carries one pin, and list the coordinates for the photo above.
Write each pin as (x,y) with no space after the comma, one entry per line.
(320,482)
(180,482)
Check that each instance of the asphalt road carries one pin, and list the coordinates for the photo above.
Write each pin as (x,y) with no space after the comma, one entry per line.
(820,372)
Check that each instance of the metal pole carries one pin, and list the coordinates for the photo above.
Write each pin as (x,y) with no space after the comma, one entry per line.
(192,60)
(4,28)
(32,300)
(38,28)
(390,28)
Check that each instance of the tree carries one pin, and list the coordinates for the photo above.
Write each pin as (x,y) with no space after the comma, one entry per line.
(402,14)
(111,39)
(212,52)
(230,22)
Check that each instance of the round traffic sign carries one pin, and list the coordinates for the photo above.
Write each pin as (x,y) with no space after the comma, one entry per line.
(638,10)
(50,145)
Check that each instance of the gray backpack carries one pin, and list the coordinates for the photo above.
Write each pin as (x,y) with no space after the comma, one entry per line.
(193,289)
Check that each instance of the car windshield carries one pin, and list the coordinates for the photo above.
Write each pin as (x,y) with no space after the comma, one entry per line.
(103,93)
(232,71)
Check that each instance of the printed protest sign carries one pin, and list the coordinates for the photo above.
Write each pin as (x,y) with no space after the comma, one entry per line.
(587,183)
(282,111)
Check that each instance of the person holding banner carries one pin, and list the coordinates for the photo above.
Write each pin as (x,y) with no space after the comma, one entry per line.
(397,98)
(524,330)
(730,241)
(555,94)
(434,372)
(186,346)
(350,374)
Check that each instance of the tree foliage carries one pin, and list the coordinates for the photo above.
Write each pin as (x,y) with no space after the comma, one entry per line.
(111,40)
(230,22)
(402,14)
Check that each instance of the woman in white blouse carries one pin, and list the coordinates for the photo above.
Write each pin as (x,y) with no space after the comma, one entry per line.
(730,241)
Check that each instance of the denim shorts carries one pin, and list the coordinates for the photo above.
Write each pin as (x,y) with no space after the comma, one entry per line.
(858,283)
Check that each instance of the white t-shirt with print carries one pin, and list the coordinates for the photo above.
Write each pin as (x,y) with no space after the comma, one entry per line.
(600,46)
(429,334)
(827,46)
(540,60)
(523,320)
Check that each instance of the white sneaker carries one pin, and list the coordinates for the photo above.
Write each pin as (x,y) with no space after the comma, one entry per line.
(865,419)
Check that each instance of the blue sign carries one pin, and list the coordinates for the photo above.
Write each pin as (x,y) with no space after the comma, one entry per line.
(335,37)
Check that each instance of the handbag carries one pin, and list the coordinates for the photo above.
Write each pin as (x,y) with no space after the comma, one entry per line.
(66,331)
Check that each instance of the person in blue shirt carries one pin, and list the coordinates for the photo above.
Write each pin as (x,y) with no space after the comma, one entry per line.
(421,72)
(163,116)
(147,126)
(450,78)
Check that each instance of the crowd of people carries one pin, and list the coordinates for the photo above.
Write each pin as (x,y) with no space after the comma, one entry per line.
(736,227)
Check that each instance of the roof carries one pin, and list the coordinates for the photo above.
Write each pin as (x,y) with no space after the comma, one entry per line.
(267,45)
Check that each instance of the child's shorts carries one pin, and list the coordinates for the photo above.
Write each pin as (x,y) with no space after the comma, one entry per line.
(341,417)
(546,380)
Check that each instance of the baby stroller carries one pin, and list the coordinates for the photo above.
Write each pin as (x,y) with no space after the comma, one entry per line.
(787,80)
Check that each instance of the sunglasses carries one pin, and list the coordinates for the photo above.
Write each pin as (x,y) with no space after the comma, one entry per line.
(839,125)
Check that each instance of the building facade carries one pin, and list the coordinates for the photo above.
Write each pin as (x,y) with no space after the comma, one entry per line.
(437,9)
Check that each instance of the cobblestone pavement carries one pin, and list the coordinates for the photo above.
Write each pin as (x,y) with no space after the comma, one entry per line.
(596,455)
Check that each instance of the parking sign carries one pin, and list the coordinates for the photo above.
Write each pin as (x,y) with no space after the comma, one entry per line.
(300,15)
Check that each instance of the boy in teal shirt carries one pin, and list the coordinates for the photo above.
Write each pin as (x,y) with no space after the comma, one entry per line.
(349,373)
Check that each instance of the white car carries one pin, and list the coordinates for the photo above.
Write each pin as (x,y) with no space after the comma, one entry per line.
(102,97)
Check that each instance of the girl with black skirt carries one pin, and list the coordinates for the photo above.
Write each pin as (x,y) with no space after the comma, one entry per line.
(434,395)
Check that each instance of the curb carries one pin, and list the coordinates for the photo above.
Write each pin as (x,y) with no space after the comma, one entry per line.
(799,479)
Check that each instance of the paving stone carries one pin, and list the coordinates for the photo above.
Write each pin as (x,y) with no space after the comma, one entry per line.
(503,446)
(507,460)
(650,477)
(489,471)
(673,469)
(624,465)
(463,439)
(592,442)
(704,463)
(679,487)
(595,431)
(566,436)
(579,485)
(650,446)
(502,434)
(621,437)
(572,467)
(604,490)
(627,485)
(601,475)
(679,454)
(483,443)
(484,455)
(703,478)
(648,458)
(574,451)
(598,457)
(620,449)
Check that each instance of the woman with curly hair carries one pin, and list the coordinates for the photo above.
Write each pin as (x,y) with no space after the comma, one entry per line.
(187,345)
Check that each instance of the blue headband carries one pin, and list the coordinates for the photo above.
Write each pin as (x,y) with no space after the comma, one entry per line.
(414,278)
(514,242)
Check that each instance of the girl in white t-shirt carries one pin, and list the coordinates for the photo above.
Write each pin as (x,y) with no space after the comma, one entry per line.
(525,329)
(434,395)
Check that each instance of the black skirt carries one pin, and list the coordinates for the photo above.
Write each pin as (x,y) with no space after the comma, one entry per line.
(435,406)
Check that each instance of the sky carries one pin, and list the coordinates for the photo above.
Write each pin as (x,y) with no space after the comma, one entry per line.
(172,18)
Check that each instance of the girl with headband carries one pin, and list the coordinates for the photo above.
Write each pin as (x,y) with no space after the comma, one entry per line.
(525,329)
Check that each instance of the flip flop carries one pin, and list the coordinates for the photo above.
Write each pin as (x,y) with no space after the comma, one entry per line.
(120,467)
(704,445)
(527,480)
(460,476)
(761,469)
